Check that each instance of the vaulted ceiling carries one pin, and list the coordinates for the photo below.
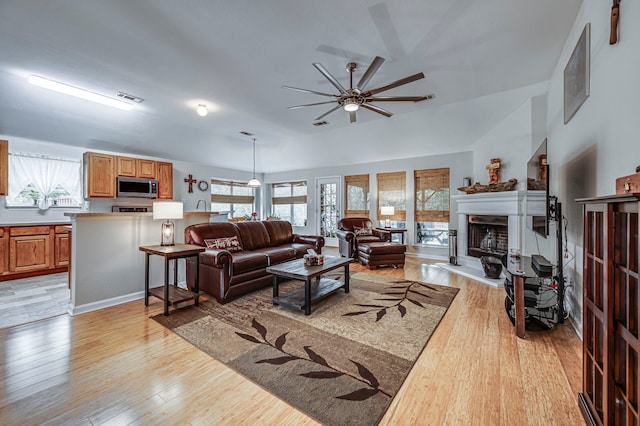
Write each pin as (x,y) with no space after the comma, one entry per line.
(235,56)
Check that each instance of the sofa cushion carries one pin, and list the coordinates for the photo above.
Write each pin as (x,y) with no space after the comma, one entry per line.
(245,261)
(196,234)
(278,254)
(280,232)
(254,235)
(231,244)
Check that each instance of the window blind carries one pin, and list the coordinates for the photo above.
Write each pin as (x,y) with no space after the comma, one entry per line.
(432,195)
(356,196)
(392,191)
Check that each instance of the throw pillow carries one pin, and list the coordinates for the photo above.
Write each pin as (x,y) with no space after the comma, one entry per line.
(362,232)
(231,244)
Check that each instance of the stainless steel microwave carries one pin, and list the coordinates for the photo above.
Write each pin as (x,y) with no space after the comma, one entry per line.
(137,187)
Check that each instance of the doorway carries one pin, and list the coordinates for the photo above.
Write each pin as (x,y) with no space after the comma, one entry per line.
(328,190)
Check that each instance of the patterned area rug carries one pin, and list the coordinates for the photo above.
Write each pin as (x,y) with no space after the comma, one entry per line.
(342,364)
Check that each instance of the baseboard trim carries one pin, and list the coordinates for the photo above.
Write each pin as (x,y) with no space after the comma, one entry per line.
(101,304)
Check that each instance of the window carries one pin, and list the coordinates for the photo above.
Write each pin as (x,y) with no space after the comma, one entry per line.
(234,197)
(44,182)
(356,196)
(392,188)
(432,206)
(289,202)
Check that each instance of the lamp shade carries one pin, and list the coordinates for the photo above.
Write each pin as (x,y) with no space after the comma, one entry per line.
(387,210)
(167,210)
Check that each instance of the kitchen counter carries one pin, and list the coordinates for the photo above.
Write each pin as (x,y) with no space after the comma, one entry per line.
(127,214)
(47,222)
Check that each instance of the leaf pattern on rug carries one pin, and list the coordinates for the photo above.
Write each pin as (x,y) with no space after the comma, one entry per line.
(407,289)
(365,375)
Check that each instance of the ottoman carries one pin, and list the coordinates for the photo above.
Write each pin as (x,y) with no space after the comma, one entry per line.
(376,254)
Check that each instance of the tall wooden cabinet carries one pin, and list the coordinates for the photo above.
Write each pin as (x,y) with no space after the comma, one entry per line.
(611,307)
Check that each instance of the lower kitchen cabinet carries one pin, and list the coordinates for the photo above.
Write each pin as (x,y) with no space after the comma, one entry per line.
(33,250)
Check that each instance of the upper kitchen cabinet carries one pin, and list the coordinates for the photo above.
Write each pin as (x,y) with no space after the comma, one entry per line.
(135,167)
(165,180)
(99,174)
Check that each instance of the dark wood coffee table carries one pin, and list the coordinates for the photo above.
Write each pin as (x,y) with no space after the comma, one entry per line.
(315,287)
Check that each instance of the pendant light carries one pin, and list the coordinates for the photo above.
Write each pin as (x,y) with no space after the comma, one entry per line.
(254,183)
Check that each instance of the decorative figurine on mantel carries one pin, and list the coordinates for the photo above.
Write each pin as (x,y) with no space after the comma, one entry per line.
(494,181)
(494,171)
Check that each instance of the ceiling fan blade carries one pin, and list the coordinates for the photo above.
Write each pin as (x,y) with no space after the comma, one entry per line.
(326,113)
(373,68)
(308,105)
(329,77)
(308,91)
(377,109)
(397,83)
(352,116)
(400,98)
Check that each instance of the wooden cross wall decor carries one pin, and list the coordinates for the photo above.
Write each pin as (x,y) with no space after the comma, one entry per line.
(190,180)
(494,170)
(615,16)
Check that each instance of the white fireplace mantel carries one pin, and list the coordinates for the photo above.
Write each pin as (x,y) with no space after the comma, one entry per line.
(507,203)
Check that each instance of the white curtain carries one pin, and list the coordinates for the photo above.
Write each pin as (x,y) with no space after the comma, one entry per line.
(45,174)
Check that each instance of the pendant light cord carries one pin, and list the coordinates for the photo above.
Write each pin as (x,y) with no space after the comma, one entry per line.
(254,158)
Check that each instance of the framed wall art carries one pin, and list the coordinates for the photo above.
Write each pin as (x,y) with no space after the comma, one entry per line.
(576,75)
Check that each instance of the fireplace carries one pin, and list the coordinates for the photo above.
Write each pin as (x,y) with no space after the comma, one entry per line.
(488,235)
(493,209)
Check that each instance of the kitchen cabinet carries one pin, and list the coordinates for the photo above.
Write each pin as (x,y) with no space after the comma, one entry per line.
(126,166)
(99,174)
(165,180)
(62,251)
(4,167)
(27,251)
(135,167)
(29,248)
(611,310)
(101,170)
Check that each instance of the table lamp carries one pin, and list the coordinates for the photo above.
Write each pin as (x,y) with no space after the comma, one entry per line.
(387,211)
(166,210)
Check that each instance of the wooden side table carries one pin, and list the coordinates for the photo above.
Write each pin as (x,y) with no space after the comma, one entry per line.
(392,231)
(171,294)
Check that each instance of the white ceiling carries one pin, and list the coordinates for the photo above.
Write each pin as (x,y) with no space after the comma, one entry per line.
(235,56)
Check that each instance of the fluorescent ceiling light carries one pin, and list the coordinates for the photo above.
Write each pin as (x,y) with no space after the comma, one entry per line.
(78,93)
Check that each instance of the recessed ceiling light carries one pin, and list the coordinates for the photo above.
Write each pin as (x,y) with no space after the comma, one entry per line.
(78,93)
(202,110)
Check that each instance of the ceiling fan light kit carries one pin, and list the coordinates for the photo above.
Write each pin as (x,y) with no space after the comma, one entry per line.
(354,97)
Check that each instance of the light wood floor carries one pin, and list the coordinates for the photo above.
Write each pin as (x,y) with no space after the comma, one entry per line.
(117,366)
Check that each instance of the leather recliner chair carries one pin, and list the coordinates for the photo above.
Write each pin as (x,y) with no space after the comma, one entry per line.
(355,230)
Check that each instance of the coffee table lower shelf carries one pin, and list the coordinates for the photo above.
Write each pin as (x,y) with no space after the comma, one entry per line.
(319,290)
(176,294)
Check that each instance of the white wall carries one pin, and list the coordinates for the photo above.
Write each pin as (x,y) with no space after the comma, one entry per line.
(600,143)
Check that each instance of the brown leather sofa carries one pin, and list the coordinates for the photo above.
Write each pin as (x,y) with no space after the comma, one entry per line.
(225,274)
(348,240)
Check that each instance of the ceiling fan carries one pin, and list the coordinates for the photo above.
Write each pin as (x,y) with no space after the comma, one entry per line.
(356,96)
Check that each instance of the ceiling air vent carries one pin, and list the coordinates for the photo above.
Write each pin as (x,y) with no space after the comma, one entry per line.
(129,97)
(320,123)
(246,133)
